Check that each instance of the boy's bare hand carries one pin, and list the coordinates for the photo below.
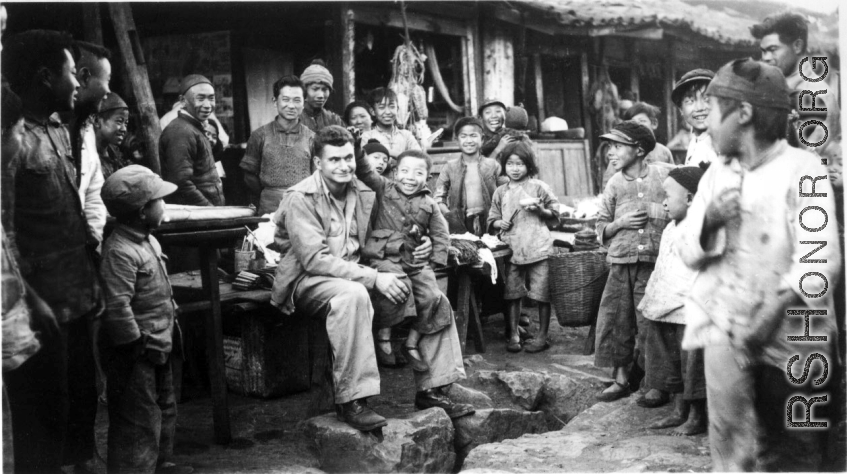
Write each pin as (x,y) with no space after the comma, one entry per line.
(390,285)
(443,207)
(503,224)
(423,252)
(632,220)
(724,208)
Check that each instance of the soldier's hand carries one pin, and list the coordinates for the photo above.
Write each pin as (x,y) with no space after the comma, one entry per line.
(392,287)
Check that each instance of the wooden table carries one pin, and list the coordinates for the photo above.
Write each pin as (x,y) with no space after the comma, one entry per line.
(208,236)
(467,313)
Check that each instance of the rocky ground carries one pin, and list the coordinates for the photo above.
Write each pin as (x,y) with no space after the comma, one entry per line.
(535,413)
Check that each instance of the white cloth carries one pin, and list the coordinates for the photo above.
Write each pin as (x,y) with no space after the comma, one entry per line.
(91,182)
(669,284)
(700,150)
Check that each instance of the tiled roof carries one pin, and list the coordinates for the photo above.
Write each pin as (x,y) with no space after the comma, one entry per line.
(723,25)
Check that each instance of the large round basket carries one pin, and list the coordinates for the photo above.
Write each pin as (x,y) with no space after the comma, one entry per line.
(577,281)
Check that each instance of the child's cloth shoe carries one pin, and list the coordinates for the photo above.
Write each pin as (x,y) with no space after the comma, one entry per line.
(414,357)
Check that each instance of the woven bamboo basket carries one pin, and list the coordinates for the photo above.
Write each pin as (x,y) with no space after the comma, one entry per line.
(577,281)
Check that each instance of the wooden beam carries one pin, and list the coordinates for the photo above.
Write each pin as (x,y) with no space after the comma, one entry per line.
(129,43)
(390,16)
(539,87)
(348,56)
(92,23)
(533,21)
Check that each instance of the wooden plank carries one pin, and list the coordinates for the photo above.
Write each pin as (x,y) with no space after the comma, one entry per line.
(531,20)
(387,15)
(348,56)
(214,342)
(539,87)
(130,47)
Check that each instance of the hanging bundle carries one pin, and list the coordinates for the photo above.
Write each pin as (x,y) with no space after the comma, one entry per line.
(407,75)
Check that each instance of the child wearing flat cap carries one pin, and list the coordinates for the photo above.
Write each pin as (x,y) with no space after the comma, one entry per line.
(670,370)
(630,223)
(758,232)
(138,326)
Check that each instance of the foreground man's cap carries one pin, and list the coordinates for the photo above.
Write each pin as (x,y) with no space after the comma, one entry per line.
(751,81)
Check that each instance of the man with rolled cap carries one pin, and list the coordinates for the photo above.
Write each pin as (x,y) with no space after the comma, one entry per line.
(138,327)
(750,231)
(110,130)
(186,153)
(669,369)
(318,83)
(689,95)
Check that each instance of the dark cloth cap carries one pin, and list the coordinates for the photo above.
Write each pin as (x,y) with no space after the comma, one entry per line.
(467,121)
(129,189)
(694,75)
(374,146)
(687,176)
(192,80)
(112,101)
(490,101)
(633,134)
(751,81)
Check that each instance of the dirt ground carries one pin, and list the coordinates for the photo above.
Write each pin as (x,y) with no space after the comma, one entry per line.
(266,435)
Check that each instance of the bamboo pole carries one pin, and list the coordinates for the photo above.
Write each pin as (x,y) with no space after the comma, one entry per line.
(130,47)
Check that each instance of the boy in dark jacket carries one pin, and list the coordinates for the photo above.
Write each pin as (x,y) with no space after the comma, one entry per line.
(137,330)
(406,213)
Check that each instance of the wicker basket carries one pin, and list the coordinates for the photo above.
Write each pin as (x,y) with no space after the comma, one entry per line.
(577,281)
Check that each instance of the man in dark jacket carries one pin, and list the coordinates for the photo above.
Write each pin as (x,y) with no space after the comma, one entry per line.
(52,395)
(186,153)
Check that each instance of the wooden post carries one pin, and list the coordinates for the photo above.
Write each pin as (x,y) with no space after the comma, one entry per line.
(348,57)
(498,64)
(92,23)
(585,85)
(670,78)
(471,39)
(130,46)
(467,80)
(634,79)
(539,87)
(214,343)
